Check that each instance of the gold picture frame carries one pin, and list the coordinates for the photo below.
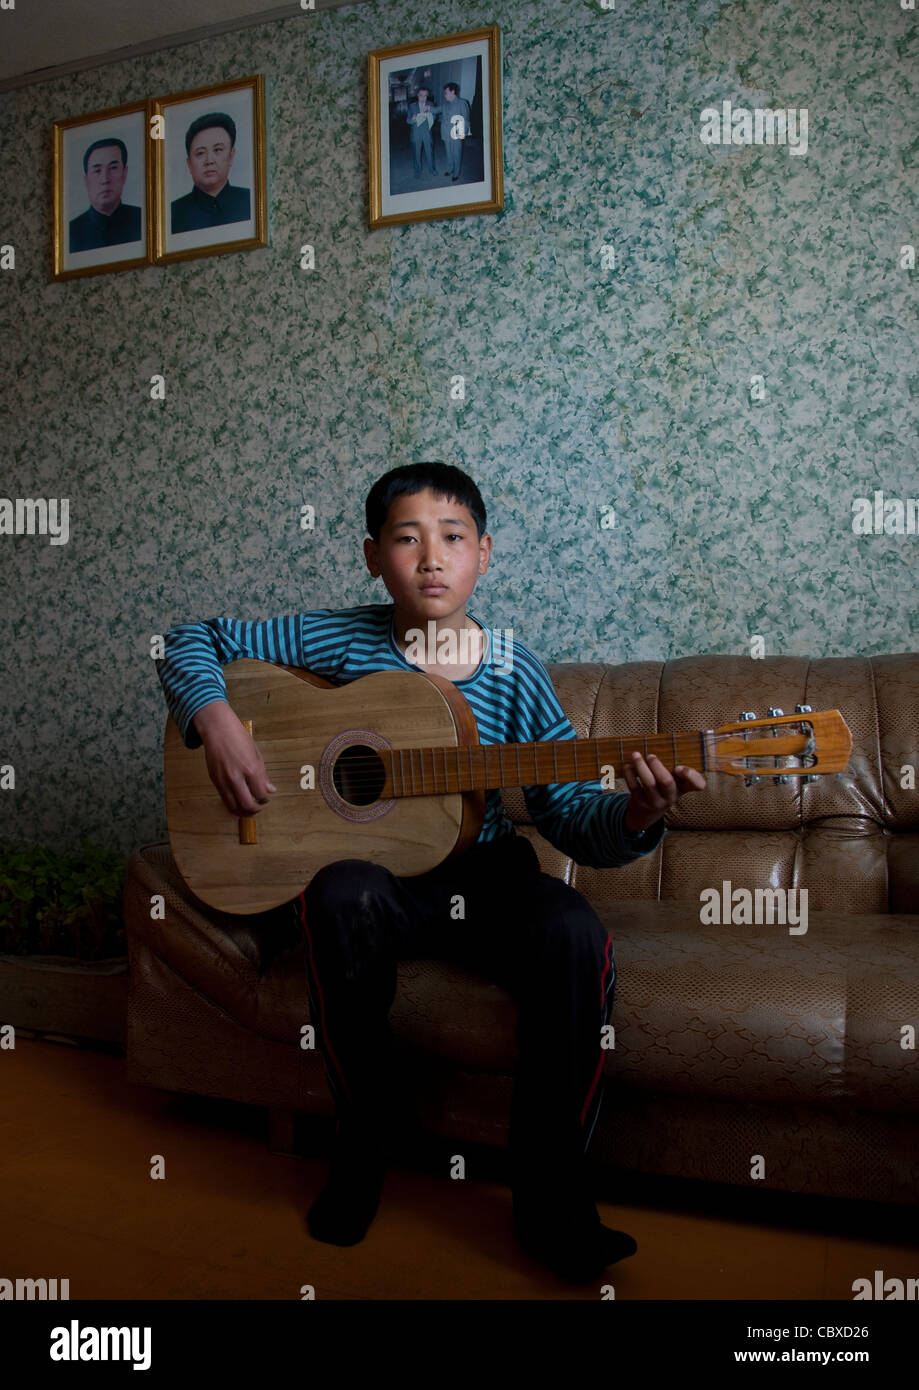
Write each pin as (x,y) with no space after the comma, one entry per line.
(103,212)
(461,76)
(190,219)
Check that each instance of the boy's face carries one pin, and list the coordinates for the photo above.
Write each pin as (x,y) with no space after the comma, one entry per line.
(429,556)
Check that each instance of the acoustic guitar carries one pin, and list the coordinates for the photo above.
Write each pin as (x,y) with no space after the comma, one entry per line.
(390,769)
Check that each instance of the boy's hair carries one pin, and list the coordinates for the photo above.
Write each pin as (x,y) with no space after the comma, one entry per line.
(443,480)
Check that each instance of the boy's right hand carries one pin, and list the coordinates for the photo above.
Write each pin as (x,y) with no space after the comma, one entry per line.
(234,763)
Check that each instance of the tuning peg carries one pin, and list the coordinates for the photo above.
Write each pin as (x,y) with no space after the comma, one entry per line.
(806,709)
(746,715)
(772,712)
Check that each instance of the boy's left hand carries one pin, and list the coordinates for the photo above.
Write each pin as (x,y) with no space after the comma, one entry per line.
(653,788)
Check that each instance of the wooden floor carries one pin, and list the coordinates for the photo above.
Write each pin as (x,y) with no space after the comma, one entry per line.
(77,1142)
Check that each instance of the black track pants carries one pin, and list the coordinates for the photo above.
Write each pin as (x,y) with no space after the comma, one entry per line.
(493,911)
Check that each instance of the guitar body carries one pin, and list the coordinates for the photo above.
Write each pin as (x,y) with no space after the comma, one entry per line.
(298,721)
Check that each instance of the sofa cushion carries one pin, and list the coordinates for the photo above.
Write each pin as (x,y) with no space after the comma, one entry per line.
(754,1013)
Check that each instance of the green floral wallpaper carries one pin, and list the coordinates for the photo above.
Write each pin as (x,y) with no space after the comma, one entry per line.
(718,341)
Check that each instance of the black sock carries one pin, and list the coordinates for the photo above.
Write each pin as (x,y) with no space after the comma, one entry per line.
(347,1204)
(577,1256)
(565,1232)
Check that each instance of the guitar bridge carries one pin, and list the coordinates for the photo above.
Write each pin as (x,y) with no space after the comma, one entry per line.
(248,833)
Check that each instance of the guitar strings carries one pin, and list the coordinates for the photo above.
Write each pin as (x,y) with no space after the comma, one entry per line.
(364,772)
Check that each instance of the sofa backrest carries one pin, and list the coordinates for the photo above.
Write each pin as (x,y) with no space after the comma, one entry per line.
(851,841)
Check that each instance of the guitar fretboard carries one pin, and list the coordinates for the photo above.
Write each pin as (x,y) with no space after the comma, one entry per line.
(483,766)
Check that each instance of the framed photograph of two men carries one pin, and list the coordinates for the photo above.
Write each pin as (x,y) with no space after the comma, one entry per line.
(435,128)
(162,180)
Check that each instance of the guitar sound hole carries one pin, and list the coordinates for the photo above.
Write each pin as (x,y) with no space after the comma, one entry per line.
(358,775)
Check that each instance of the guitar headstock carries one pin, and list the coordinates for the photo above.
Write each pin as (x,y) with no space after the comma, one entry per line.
(803,744)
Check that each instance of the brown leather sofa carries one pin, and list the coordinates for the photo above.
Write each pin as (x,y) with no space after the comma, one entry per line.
(731,1041)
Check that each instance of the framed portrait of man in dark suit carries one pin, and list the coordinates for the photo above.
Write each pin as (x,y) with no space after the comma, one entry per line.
(102,192)
(435,128)
(211,170)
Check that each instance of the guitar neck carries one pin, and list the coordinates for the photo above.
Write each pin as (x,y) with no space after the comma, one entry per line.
(484,766)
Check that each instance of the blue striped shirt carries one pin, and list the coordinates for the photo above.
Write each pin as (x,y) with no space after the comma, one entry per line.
(513,702)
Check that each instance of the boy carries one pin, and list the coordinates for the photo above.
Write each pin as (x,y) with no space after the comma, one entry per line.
(524,929)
